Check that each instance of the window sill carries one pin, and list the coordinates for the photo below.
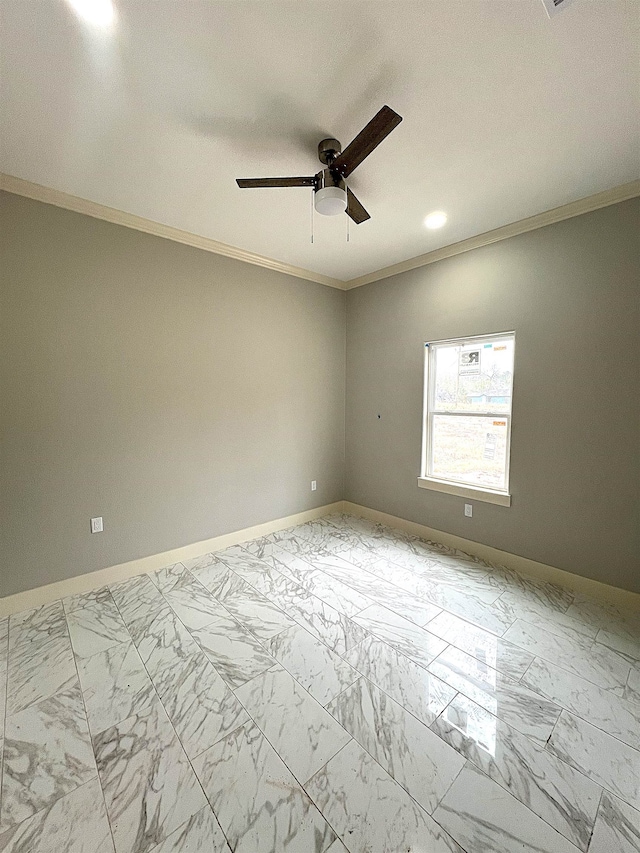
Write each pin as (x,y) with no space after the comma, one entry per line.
(478,494)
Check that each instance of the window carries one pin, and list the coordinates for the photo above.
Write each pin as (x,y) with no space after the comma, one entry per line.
(467,417)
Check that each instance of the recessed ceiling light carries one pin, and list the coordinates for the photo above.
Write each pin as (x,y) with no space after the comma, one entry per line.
(99,13)
(436,219)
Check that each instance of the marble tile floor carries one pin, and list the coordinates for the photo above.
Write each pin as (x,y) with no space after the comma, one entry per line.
(339,686)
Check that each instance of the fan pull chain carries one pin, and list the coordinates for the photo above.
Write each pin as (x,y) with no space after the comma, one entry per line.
(347,229)
(312,217)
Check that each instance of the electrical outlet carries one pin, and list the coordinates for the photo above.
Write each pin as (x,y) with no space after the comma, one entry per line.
(96,525)
(313,485)
(468,510)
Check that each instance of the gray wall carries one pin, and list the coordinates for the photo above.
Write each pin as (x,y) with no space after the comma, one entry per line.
(182,395)
(176,393)
(571,292)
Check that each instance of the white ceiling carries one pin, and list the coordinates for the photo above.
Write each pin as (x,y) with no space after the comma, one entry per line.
(507,113)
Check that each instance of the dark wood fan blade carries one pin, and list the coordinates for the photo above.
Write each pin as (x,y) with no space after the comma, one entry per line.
(369,138)
(355,210)
(245,183)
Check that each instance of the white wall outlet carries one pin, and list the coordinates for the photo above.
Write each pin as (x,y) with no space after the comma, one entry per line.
(313,485)
(96,525)
(468,510)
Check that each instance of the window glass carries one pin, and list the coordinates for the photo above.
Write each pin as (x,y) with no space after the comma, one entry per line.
(468,411)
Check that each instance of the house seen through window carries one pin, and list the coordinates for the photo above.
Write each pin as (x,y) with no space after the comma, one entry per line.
(467,428)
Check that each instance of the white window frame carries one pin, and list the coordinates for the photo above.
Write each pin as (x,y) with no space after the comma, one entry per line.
(502,497)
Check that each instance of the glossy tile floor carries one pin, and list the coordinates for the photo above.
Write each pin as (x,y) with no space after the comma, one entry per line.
(335,686)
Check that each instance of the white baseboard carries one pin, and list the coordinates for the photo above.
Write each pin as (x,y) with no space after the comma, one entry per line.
(93,580)
(522,565)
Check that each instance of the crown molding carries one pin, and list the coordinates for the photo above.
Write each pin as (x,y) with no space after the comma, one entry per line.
(540,220)
(18,186)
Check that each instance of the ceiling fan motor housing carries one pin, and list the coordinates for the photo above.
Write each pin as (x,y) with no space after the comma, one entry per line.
(328,150)
(330,193)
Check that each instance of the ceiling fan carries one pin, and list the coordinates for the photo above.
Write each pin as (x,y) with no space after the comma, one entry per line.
(331,194)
